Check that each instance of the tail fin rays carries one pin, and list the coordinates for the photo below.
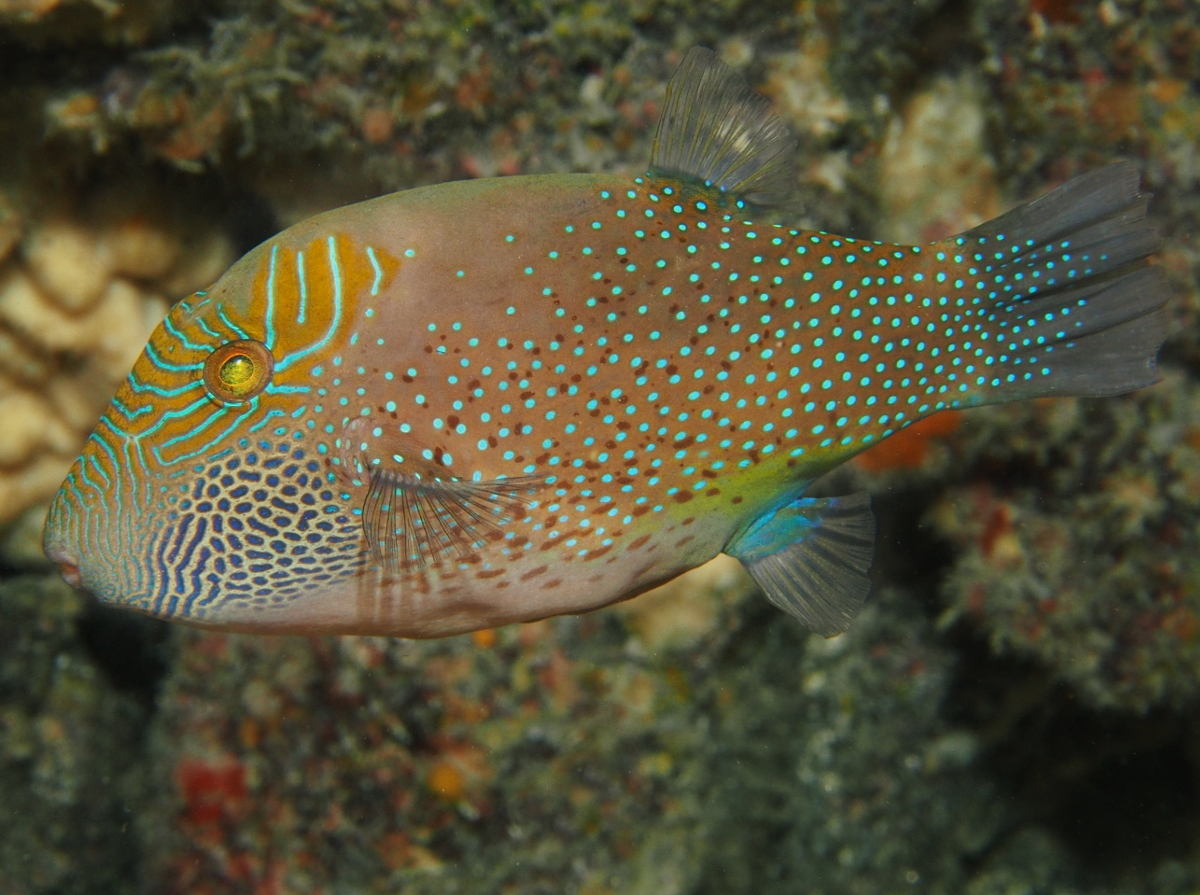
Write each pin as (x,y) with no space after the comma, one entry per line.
(1078,305)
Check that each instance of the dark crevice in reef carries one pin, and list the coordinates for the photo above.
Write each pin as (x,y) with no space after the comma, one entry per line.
(1120,791)
(133,650)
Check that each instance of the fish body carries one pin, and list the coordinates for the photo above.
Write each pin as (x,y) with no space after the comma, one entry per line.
(500,400)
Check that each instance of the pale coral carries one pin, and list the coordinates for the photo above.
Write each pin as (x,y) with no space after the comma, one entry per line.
(30,426)
(935,176)
(79,296)
(141,250)
(68,261)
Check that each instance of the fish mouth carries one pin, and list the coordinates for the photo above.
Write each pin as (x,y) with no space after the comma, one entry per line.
(70,574)
(68,567)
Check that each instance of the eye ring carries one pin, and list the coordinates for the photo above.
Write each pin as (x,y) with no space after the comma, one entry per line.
(238,371)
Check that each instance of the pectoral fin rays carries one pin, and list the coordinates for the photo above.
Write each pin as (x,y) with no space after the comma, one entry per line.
(413,519)
(811,558)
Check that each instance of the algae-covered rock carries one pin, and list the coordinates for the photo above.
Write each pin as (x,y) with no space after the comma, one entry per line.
(563,757)
(68,744)
(1099,586)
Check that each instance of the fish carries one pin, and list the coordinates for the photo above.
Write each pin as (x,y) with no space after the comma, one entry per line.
(498,400)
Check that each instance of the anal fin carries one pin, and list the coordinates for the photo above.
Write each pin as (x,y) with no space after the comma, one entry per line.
(811,558)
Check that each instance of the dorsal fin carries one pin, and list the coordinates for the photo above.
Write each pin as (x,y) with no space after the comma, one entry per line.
(716,130)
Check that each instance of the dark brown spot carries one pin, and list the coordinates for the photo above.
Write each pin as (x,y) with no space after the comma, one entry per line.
(533,573)
(682,496)
(736,500)
(639,542)
(553,583)
(489,573)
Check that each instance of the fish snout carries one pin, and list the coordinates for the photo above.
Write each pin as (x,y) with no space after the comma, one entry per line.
(70,573)
(59,553)
(68,566)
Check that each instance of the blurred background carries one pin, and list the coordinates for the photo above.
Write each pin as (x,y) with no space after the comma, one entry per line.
(1016,712)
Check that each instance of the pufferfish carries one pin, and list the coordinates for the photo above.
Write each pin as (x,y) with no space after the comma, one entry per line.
(499,400)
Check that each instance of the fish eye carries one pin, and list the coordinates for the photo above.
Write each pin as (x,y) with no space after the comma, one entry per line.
(237,371)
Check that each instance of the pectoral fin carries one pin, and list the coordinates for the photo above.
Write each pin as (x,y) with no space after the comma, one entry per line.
(811,558)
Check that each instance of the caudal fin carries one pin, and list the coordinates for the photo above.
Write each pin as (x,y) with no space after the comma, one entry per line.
(1078,308)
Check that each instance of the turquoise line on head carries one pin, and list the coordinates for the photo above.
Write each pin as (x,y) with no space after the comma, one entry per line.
(138,386)
(241,334)
(212,418)
(303,287)
(104,446)
(158,361)
(269,322)
(83,474)
(83,477)
(173,414)
(129,414)
(139,464)
(378,271)
(170,327)
(233,425)
(212,332)
(335,320)
(266,419)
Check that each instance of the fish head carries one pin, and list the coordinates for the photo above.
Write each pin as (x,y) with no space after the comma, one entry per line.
(207,493)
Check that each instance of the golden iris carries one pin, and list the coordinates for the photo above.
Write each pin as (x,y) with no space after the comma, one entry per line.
(237,371)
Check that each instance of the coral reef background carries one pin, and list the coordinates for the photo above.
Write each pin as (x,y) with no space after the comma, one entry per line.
(1017,711)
